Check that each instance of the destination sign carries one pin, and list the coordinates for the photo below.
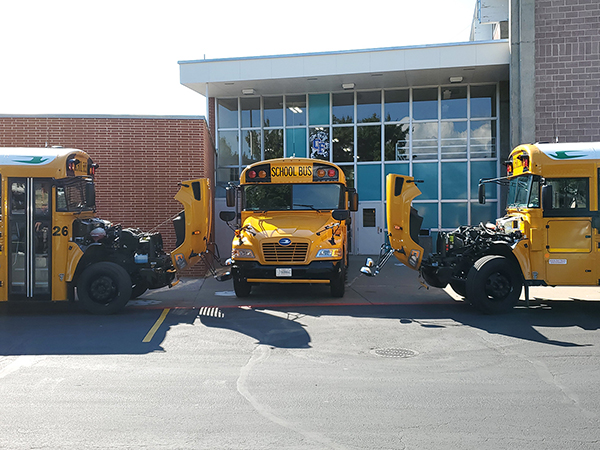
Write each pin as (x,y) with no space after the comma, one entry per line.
(291,173)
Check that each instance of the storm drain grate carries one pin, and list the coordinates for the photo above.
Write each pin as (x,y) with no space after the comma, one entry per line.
(395,352)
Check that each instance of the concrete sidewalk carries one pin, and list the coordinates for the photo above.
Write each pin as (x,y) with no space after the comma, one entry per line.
(396,284)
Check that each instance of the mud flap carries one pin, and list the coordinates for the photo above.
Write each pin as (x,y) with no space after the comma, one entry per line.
(402,219)
(196,198)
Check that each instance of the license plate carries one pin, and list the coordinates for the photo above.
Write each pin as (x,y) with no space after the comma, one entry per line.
(283,272)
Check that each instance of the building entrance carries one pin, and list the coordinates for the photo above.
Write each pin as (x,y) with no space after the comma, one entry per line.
(369,229)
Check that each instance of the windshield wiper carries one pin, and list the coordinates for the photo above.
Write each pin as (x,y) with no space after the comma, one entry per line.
(305,206)
(310,206)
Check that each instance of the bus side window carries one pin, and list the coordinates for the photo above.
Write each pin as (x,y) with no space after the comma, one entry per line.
(61,199)
(534,196)
(571,194)
(17,190)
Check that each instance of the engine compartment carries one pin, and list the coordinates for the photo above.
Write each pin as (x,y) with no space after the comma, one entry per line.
(140,253)
(457,250)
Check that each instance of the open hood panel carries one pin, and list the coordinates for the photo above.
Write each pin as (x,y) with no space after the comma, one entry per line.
(196,198)
(403,221)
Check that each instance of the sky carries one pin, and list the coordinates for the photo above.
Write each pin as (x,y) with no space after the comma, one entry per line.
(121,57)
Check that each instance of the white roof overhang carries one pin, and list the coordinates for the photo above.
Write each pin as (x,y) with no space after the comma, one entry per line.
(475,62)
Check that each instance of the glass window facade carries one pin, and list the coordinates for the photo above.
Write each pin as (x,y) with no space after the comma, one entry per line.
(250,112)
(343,108)
(444,135)
(273,112)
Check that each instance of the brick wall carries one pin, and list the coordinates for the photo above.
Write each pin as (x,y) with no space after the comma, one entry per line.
(141,160)
(212,116)
(567,67)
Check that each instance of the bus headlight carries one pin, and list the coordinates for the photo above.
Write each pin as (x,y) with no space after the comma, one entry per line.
(329,253)
(242,253)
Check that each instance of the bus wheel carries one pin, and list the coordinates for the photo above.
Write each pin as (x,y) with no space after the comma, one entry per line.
(494,285)
(338,282)
(104,288)
(241,287)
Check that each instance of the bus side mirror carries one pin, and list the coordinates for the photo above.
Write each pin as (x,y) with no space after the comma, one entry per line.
(547,197)
(353,199)
(90,194)
(340,214)
(481,192)
(230,196)
(227,216)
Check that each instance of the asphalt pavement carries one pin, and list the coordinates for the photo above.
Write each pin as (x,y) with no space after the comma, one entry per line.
(391,365)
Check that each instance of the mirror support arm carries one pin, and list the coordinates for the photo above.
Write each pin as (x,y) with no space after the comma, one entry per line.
(370,269)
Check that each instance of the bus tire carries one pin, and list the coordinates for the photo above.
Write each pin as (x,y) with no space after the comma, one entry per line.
(241,287)
(338,281)
(104,288)
(494,285)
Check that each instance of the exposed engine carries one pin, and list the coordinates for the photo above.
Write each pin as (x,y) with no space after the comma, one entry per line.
(139,252)
(457,250)
(84,232)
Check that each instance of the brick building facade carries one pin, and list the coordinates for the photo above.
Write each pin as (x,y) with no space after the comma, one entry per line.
(567,70)
(141,161)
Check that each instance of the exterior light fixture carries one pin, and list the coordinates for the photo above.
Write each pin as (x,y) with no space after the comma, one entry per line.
(348,85)
(456,79)
(248,91)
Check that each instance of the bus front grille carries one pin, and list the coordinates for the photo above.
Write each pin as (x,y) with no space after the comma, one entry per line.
(275,253)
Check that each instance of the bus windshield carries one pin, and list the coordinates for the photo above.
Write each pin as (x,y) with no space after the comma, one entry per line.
(75,195)
(287,197)
(524,192)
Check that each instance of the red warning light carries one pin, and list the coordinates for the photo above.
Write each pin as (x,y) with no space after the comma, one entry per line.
(72,164)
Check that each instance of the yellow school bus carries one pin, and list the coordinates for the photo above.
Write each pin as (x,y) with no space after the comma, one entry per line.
(549,235)
(292,220)
(54,248)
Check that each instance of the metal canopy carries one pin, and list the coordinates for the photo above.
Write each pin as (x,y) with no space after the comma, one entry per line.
(431,65)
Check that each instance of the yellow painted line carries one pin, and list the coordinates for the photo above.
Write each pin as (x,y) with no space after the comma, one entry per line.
(155,327)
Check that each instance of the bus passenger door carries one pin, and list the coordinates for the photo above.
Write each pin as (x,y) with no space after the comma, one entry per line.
(29,225)
(570,258)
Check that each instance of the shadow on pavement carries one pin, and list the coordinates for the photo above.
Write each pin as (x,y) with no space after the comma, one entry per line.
(64,332)
(266,328)
(63,329)
(270,315)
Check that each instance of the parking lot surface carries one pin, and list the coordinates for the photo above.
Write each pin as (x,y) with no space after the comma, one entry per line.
(391,365)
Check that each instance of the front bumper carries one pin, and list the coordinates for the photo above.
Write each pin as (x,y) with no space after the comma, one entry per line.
(314,272)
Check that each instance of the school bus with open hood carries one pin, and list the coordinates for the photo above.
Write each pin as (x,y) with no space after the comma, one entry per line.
(549,235)
(54,248)
(291,224)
